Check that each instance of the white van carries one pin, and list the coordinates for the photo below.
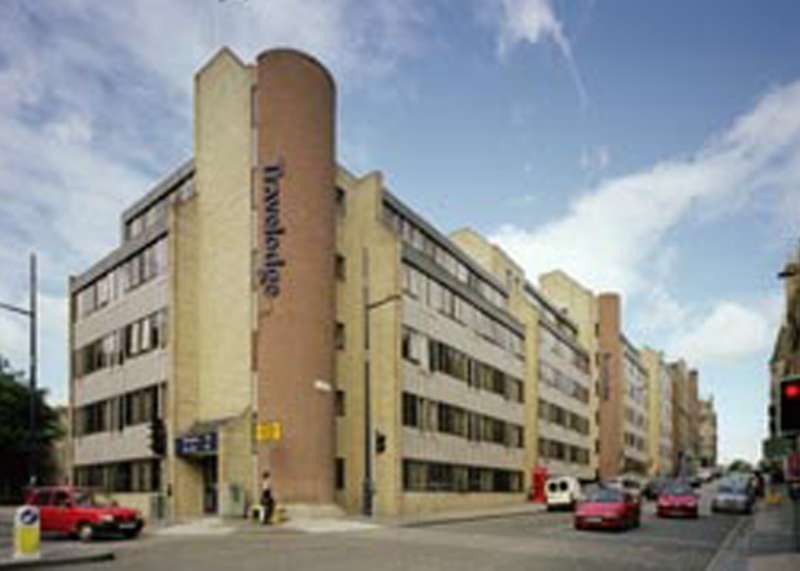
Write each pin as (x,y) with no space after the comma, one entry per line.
(562,492)
(628,483)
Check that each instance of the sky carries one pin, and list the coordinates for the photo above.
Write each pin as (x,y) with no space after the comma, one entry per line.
(648,148)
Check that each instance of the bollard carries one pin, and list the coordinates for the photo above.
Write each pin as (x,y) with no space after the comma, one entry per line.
(26,533)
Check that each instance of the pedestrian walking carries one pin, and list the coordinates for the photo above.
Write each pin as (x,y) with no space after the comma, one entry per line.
(267,499)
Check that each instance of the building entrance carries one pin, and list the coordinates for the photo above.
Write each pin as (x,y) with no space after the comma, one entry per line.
(210,496)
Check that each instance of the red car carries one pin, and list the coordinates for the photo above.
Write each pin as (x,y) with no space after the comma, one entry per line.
(608,508)
(677,500)
(71,510)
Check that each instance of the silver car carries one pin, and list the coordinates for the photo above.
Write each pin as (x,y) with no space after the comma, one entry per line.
(732,496)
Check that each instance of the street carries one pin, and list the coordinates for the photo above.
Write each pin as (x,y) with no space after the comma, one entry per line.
(544,540)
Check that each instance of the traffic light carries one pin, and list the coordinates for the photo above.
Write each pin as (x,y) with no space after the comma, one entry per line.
(380,443)
(790,406)
(773,428)
(158,437)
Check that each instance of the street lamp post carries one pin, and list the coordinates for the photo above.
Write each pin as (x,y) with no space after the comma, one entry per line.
(30,313)
(368,487)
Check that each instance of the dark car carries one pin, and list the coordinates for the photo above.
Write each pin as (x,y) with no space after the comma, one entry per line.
(74,511)
(653,488)
(608,508)
(677,500)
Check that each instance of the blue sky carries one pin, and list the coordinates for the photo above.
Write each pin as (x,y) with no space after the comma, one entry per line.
(649,148)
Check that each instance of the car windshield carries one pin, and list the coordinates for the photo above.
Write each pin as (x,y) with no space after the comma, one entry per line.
(678,490)
(730,488)
(605,496)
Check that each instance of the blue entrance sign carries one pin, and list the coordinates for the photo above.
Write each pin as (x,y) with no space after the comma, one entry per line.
(196,444)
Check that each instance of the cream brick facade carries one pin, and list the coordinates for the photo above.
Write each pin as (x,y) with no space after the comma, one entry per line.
(659,435)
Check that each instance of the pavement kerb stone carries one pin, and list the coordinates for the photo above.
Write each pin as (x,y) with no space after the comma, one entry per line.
(463,518)
(728,550)
(46,561)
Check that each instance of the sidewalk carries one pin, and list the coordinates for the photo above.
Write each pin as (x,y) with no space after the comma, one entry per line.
(346,523)
(770,544)
(763,542)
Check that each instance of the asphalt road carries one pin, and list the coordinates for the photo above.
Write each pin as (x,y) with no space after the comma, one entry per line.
(540,541)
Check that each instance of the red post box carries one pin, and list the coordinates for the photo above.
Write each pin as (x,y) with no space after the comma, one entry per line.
(538,481)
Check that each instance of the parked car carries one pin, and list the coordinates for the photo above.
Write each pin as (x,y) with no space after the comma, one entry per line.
(562,492)
(608,508)
(654,486)
(733,495)
(74,511)
(677,499)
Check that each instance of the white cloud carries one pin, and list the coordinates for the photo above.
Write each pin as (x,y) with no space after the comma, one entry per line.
(532,21)
(96,107)
(730,332)
(613,234)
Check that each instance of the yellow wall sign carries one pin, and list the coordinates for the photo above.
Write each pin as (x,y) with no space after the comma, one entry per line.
(269,431)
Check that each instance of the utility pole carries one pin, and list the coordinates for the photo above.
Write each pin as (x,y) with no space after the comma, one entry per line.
(30,313)
(32,365)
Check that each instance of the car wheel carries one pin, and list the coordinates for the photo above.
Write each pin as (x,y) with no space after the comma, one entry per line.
(85,532)
(132,534)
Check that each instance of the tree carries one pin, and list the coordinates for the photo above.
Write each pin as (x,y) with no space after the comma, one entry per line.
(740,465)
(17,449)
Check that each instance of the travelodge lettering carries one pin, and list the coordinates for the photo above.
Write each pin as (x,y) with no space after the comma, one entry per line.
(269,274)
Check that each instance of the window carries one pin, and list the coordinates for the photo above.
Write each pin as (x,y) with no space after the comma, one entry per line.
(41,498)
(340,403)
(410,410)
(341,268)
(340,479)
(412,342)
(420,476)
(339,339)
(341,205)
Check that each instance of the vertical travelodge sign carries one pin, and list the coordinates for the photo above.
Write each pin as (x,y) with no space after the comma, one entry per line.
(269,272)
(294,184)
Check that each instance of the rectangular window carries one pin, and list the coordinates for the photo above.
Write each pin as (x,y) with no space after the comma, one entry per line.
(339,339)
(412,342)
(340,403)
(341,268)
(340,475)
(410,410)
(341,205)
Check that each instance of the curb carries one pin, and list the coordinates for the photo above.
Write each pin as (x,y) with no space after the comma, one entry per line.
(468,518)
(58,560)
(727,547)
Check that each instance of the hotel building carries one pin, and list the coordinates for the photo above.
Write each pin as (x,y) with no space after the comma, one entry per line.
(277,312)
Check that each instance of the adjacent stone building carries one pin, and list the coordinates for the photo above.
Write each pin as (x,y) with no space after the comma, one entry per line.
(707,429)
(659,398)
(559,366)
